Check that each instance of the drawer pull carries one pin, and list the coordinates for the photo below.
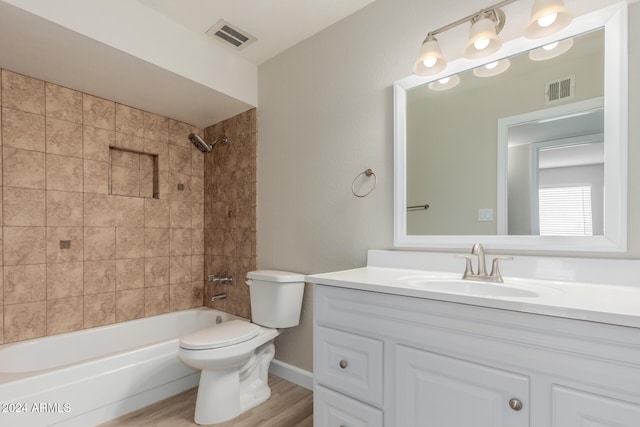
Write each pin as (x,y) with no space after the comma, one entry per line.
(343,364)
(515,404)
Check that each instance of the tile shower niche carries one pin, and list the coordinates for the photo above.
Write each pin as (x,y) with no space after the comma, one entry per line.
(133,174)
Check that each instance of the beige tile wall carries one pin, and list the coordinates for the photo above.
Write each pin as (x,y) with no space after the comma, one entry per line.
(230,209)
(130,255)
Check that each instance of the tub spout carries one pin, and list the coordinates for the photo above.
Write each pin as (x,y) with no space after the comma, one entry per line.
(218,297)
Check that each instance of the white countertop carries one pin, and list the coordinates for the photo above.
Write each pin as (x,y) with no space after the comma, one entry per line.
(614,302)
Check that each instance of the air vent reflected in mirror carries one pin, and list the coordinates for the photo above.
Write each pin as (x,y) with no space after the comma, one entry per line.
(560,90)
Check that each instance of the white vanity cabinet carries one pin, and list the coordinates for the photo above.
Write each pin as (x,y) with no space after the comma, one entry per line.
(398,361)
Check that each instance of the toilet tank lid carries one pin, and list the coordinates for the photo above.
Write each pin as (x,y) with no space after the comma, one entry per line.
(276,276)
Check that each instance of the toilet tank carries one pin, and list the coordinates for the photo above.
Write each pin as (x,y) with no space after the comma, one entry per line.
(276,297)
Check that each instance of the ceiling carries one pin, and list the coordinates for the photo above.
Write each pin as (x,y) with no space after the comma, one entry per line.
(570,125)
(154,54)
(277,24)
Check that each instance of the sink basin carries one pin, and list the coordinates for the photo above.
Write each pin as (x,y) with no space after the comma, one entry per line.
(471,287)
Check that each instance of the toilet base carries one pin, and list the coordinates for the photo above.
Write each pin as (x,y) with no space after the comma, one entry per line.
(225,394)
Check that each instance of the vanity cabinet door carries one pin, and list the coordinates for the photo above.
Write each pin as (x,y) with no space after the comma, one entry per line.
(436,390)
(331,409)
(576,408)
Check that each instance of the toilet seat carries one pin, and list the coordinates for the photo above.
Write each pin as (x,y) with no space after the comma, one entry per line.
(223,335)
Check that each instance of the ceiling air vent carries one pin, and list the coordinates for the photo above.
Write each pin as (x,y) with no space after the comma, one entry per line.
(560,90)
(230,35)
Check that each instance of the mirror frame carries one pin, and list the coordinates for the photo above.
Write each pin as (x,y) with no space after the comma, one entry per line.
(614,20)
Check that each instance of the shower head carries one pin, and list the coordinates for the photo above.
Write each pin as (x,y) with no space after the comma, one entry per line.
(202,145)
(199,143)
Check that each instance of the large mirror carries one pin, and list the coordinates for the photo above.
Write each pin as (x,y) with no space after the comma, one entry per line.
(528,152)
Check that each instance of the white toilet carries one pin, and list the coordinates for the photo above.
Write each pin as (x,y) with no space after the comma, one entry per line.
(234,356)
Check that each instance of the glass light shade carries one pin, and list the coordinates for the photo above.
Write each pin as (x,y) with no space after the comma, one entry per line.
(541,23)
(542,54)
(445,84)
(430,60)
(482,30)
(492,69)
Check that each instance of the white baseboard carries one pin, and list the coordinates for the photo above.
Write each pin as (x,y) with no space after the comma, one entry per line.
(292,374)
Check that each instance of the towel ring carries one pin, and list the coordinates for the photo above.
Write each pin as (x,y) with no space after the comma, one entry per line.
(366,173)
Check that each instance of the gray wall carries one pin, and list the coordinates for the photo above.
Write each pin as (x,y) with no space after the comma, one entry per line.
(326,114)
(519,190)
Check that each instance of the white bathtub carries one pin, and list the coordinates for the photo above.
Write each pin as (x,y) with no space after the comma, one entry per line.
(87,377)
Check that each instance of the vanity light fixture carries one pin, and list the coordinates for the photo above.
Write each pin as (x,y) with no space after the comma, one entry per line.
(445,83)
(551,50)
(547,17)
(484,40)
(430,61)
(492,69)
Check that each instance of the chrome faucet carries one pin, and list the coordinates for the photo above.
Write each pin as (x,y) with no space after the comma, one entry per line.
(481,274)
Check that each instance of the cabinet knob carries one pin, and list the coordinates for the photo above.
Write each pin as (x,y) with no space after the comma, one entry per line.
(343,364)
(515,404)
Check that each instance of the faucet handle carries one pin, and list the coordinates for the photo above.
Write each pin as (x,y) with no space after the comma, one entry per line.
(495,267)
(468,269)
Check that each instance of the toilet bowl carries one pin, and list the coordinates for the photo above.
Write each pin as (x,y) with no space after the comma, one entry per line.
(234,368)
(234,356)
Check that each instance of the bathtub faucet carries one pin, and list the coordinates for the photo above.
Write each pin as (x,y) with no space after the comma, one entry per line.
(220,279)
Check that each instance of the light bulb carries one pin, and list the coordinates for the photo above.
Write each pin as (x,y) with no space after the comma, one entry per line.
(430,61)
(492,69)
(551,50)
(444,83)
(481,44)
(547,20)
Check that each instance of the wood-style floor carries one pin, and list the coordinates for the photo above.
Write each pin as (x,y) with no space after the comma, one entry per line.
(289,406)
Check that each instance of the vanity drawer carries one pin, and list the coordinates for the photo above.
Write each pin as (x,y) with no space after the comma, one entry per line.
(331,409)
(349,363)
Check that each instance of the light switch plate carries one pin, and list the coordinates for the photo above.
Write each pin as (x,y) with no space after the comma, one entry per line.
(485,214)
